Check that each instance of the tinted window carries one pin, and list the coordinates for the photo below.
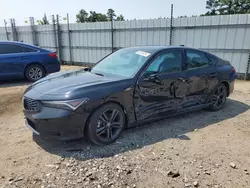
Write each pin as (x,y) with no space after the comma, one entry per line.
(25,49)
(3,49)
(167,62)
(211,58)
(196,59)
(10,48)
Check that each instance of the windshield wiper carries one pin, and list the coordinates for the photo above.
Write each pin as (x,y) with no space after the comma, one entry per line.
(99,74)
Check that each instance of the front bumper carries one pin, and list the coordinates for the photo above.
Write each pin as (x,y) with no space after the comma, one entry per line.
(56,123)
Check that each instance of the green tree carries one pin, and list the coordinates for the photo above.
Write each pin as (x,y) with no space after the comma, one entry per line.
(111,14)
(241,6)
(82,16)
(223,7)
(102,17)
(120,18)
(212,5)
(97,17)
(44,20)
(93,16)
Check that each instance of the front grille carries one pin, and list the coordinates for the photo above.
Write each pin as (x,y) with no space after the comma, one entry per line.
(30,105)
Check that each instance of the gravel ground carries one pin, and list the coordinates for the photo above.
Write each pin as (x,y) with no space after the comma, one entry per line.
(198,149)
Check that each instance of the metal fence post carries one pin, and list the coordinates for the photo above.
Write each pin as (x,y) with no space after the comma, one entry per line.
(5,26)
(54,32)
(33,31)
(69,37)
(171,25)
(247,70)
(112,34)
(14,30)
(58,38)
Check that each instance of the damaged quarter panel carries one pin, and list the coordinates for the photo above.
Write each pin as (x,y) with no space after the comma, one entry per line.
(201,77)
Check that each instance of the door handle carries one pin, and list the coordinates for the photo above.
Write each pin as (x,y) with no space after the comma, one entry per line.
(24,57)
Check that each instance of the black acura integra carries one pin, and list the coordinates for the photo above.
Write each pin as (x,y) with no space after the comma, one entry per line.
(129,87)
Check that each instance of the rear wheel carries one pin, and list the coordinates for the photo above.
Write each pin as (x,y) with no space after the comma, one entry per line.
(106,124)
(218,98)
(34,72)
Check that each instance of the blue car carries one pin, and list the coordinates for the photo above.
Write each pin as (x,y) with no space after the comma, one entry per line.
(19,60)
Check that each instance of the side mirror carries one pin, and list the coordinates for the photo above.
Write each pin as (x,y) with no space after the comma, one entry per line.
(154,78)
(149,73)
(150,78)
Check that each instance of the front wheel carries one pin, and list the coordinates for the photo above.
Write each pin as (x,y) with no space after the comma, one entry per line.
(218,98)
(106,124)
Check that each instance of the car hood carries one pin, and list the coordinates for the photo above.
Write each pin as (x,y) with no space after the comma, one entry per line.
(61,86)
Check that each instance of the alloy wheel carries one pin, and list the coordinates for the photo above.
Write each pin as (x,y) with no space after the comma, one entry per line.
(35,73)
(109,125)
(219,97)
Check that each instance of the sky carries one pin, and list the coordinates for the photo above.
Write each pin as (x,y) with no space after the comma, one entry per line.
(21,10)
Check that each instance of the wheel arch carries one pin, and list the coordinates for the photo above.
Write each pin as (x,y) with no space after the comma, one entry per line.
(34,63)
(227,86)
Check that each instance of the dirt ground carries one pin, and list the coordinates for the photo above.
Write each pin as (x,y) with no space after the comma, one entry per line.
(198,149)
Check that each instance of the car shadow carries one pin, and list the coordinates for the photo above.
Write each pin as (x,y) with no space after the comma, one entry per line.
(175,127)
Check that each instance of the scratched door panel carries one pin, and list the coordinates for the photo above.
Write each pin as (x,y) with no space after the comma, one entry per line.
(156,90)
(153,100)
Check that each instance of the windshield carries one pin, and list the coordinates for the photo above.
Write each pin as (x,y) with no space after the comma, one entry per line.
(124,63)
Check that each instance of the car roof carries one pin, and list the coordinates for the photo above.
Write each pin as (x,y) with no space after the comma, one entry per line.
(154,49)
(19,43)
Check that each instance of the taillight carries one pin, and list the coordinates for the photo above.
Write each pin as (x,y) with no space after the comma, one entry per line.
(233,69)
(52,55)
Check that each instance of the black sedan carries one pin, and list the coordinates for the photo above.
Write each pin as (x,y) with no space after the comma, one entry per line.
(129,87)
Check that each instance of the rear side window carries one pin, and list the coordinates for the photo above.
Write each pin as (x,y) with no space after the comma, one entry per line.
(25,49)
(196,59)
(11,49)
(211,58)
(223,62)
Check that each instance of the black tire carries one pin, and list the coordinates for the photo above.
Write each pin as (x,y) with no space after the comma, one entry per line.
(34,72)
(218,98)
(102,129)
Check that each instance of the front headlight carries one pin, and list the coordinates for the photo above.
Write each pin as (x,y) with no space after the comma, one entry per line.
(68,105)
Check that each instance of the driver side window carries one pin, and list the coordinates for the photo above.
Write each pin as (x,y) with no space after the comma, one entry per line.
(167,62)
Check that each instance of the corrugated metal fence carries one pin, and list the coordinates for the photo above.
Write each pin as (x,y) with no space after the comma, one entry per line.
(227,36)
